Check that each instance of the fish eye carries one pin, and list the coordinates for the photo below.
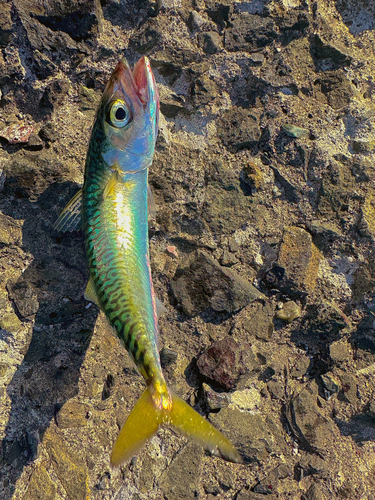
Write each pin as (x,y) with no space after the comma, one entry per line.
(118,114)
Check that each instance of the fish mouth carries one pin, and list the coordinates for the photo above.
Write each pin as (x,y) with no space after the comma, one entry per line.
(140,81)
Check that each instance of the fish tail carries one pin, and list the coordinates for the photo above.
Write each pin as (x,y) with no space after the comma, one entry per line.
(146,418)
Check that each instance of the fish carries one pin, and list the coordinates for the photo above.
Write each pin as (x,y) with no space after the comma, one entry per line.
(112,211)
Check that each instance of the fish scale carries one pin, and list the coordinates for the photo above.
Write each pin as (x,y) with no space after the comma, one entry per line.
(124,291)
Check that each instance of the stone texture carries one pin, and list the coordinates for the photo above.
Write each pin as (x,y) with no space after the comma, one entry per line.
(205,284)
(222,363)
(263,180)
(297,264)
(180,480)
(238,129)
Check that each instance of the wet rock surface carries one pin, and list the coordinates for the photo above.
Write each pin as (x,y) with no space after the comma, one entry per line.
(262,249)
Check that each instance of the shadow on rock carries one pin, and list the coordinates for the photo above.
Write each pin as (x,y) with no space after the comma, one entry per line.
(51,289)
(360,427)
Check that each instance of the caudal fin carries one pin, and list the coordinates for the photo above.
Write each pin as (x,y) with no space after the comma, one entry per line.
(145,419)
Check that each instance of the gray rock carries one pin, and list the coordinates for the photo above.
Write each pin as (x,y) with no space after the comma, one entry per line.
(249,432)
(270,483)
(250,33)
(309,426)
(258,321)
(210,42)
(214,400)
(238,129)
(195,21)
(206,284)
(24,297)
(297,266)
(180,480)
(339,351)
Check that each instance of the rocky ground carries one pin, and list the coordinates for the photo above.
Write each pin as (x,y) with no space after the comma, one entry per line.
(262,249)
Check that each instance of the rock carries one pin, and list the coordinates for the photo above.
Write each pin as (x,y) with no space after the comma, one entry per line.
(206,284)
(222,363)
(180,479)
(249,433)
(167,357)
(72,414)
(258,321)
(251,495)
(294,131)
(327,57)
(170,103)
(214,400)
(289,311)
(54,95)
(17,133)
(297,266)
(330,385)
(228,259)
(366,224)
(48,133)
(147,37)
(88,99)
(38,28)
(6,24)
(276,389)
(10,231)
(363,146)
(252,175)
(315,492)
(246,400)
(324,232)
(29,175)
(210,42)
(339,351)
(349,389)
(79,23)
(299,368)
(195,21)
(203,90)
(43,66)
(24,297)
(68,468)
(41,486)
(323,323)
(250,33)
(238,129)
(34,143)
(310,428)
(337,90)
(219,12)
(270,483)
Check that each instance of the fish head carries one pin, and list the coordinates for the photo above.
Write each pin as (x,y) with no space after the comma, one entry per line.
(128,115)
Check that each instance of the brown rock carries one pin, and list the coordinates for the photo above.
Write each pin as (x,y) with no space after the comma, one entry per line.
(222,363)
(258,321)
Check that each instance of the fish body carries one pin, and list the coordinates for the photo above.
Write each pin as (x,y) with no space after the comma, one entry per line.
(113,209)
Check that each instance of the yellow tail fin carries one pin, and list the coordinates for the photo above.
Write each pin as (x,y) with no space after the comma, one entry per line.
(145,419)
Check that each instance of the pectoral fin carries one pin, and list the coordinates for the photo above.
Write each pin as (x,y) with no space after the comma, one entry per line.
(70,217)
(111,184)
(90,293)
